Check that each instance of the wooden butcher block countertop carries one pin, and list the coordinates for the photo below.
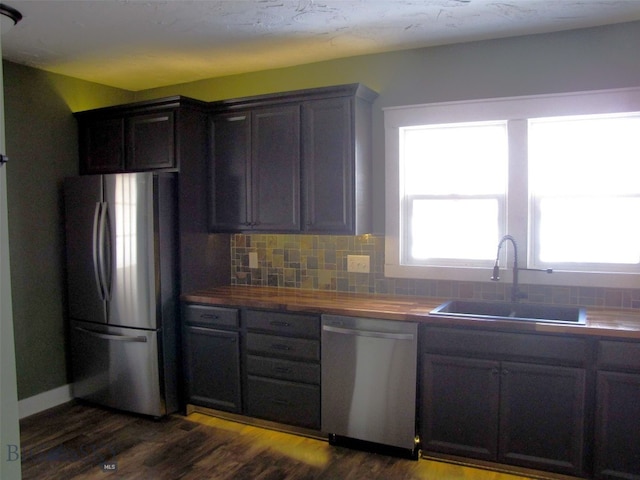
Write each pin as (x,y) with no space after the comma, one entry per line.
(605,322)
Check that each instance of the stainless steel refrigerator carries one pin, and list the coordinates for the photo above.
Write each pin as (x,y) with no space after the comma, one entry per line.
(122,290)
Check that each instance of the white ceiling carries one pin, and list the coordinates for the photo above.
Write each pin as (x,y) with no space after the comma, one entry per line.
(140,44)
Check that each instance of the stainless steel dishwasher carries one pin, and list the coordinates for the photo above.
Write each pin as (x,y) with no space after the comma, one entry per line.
(369,381)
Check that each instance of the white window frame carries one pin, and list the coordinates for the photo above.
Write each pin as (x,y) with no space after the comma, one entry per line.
(517,111)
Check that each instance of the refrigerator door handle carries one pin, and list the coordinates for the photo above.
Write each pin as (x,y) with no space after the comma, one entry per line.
(95,249)
(104,252)
(109,336)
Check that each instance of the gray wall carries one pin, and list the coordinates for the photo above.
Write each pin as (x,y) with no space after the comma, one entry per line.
(41,140)
(587,59)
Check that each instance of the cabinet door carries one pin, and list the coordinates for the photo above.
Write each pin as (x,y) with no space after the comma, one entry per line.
(542,417)
(102,146)
(151,141)
(275,169)
(212,368)
(617,445)
(229,181)
(328,177)
(459,407)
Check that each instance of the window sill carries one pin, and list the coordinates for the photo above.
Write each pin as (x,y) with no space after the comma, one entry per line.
(557,278)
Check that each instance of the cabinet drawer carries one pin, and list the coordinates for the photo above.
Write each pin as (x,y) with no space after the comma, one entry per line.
(211,316)
(285,402)
(284,323)
(273,345)
(501,345)
(614,355)
(283,369)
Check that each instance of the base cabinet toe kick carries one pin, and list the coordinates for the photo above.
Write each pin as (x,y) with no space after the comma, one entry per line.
(566,404)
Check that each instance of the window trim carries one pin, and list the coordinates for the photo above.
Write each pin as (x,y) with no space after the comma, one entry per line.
(517,111)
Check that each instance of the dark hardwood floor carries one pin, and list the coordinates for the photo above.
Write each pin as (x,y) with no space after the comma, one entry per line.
(73,441)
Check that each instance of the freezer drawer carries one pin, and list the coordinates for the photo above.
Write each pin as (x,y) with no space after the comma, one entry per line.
(117,367)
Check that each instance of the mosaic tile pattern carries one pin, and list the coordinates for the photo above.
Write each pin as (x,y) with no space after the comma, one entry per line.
(319,262)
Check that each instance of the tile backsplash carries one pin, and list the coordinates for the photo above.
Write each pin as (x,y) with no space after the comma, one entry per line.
(319,262)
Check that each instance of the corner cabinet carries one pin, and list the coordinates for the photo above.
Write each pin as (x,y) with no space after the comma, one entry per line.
(617,445)
(292,162)
(511,398)
(136,137)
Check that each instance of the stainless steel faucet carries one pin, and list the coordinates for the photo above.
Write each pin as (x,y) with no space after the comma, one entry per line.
(516,294)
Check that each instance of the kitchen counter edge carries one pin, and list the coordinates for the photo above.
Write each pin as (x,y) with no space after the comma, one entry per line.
(603,322)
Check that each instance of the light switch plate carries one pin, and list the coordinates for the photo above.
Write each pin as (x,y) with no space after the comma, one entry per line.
(253,259)
(358,263)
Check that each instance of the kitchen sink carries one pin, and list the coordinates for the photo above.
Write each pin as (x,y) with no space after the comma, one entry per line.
(511,311)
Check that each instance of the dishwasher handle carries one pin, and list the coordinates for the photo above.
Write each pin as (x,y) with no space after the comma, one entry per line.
(368,333)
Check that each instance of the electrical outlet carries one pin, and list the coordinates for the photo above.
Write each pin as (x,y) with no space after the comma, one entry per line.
(253,259)
(358,263)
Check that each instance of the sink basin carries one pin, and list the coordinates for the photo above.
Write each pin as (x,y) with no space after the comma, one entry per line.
(511,311)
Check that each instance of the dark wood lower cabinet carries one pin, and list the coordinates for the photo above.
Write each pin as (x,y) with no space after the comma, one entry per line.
(212,368)
(460,404)
(283,401)
(542,412)
(283,367)
(211,340)
(617,449)
(509,412)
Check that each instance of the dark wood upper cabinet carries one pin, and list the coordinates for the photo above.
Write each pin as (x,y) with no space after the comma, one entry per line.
(275,169)
(229,185)
(102,145)
(151,141)
(297,161)
(336,152)
(255,170)
(136,137)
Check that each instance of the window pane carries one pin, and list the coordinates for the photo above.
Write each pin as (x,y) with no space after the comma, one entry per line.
(585,155)
(590,230)
(583,174)
(455,229)
(459,159)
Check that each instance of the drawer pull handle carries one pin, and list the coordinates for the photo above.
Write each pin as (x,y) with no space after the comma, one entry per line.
(279,346)
(280,323)
(282,369)
(279,401)
(209,316)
